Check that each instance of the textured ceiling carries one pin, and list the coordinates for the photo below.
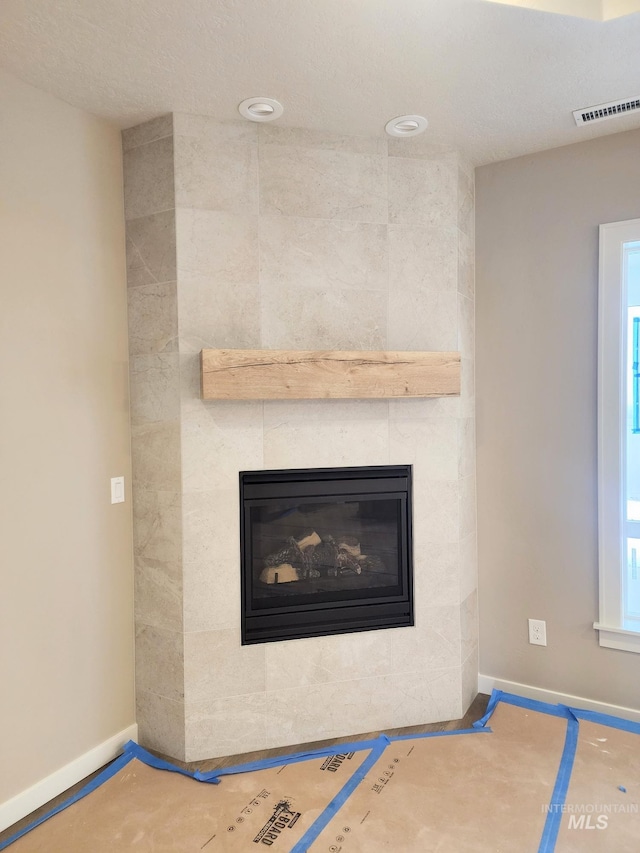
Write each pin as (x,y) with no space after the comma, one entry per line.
(494,80)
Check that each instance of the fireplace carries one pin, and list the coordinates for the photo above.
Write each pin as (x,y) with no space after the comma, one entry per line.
(325,551)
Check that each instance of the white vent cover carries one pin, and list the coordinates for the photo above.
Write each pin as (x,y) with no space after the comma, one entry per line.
(603,111)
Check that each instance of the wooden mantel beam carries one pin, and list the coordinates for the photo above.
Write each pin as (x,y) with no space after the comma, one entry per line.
(236,374)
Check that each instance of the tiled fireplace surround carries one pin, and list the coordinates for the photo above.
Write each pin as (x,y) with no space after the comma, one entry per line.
(249,236)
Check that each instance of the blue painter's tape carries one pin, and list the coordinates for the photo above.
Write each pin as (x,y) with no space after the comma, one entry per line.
(495,697)
(341,797)
(130,751)
(477,731)
(160,764)
(559,795)
(535,705)
(498,696)
(106,774)
(607,720)
(339,800)
(294,758)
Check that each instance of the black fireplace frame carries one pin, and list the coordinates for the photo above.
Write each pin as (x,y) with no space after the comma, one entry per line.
(366,613)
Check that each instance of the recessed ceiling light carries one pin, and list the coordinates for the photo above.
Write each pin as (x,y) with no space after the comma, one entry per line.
(406,125)
(261,109)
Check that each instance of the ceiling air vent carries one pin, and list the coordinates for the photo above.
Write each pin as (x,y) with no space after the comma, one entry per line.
(603,111)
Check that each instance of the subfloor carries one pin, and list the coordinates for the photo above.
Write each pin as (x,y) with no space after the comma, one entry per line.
(475,712)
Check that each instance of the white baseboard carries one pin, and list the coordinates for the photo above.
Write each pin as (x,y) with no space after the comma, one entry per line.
(487,683)
(48,788)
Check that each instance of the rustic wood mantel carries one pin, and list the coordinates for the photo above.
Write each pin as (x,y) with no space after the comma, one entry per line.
(240,374)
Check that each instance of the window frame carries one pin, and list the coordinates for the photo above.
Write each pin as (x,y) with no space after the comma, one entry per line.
(612,361)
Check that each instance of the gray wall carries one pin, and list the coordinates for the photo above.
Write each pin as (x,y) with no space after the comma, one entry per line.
(537,279)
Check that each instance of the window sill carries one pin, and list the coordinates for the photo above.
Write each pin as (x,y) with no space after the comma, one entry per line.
(618,638)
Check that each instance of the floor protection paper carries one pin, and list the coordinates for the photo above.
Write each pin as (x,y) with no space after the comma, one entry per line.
(601,810)
(147,810)
(529,777)
(465,793)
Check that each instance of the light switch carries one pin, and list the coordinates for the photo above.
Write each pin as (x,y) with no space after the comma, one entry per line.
(117,490)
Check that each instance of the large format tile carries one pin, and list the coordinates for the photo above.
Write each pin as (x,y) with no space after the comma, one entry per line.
(190,380)
(218,315)
(319,660)
(432,643)
(218,441)
(326,433)
(216,168)
(467,447)
(466,266)
(466,327)
(324,284)
(423,192)
(347,255)
(422,258)
(467,506)
(160,724)
(211,523)
(299,444)
(154,384)
(217,245)
(415,408)
(157,534)
(211,535)
(422,320)
(466,202)
(297,137)
(422,148)
(430,445)
(467,388)
(151,249)
(468,565)
(159,661)
(211,599)
(436,505)
(158,595)
(217,666)
(155,452)
(148,178)
(219,291)
(153,319)
(431,697)
(339,709)
(217,132)
(280,412)
(329,710)
(148,131)
(323,183)
(225,726)
(436,573)
(469,625)
(470,679)
(422,288)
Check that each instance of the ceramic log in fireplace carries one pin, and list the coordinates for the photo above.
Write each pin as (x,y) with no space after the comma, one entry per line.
(325,551)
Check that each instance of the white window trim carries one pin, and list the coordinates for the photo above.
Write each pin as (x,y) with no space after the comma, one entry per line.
(611,413)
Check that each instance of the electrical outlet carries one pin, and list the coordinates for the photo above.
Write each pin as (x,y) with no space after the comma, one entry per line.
(537,632)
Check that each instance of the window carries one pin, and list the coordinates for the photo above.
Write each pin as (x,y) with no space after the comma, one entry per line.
(619,435)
